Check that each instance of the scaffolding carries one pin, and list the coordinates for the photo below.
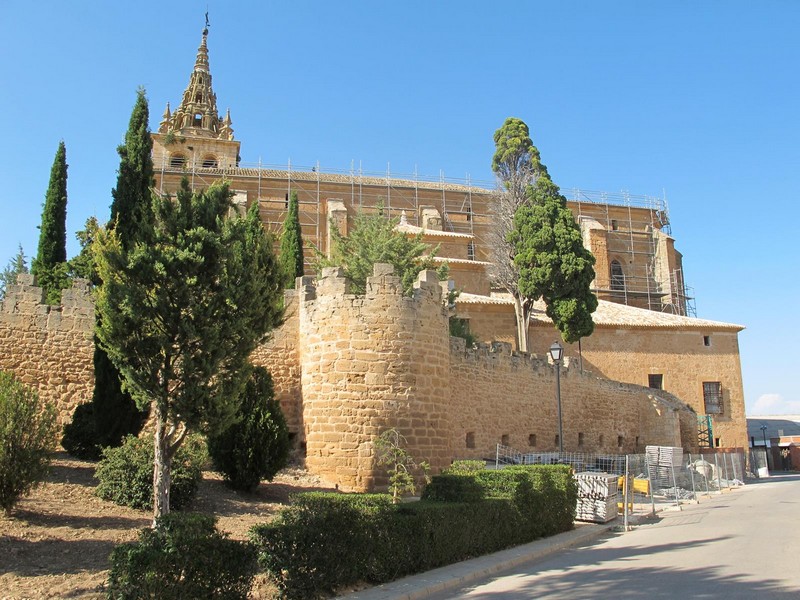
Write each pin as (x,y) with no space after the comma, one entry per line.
(636,225)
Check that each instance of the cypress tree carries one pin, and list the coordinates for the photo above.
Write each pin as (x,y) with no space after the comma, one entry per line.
(290,260)
(49,264)
(131,212)
(115,412)
(552,261)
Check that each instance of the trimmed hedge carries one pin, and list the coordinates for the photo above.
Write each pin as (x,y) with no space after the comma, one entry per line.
(325,541)
(183,557)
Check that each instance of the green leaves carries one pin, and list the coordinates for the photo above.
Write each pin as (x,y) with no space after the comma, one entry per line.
(374,239)
(291,251)
(552,261)
(182,310)
(546,246)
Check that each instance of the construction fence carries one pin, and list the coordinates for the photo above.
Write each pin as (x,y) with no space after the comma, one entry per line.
(632,486)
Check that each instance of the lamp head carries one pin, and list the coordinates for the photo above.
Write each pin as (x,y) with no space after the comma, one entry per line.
(556,351)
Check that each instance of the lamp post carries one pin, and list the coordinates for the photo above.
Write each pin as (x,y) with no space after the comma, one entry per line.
(764,433)
(556,353)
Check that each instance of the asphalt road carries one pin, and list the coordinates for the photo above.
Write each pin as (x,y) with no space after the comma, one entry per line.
(745,544)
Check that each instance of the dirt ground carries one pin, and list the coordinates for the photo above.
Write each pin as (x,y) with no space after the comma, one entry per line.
(56,542)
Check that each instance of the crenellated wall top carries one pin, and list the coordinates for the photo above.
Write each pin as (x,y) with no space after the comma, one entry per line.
(26,300)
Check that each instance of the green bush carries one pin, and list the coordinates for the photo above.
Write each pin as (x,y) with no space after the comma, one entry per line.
(257,447)
(324,542)
(80,438)
(320,542)
(126,473)
(183,557)
(465,467)
(27,436)
(454,488)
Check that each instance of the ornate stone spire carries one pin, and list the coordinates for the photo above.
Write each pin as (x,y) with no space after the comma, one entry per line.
(197,114)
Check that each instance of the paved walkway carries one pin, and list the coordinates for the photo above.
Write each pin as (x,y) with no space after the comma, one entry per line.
(740,544)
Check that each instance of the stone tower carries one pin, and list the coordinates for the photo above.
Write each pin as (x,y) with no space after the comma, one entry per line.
(194,136)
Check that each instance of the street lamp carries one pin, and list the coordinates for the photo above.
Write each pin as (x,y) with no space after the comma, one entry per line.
(556,353)
(764,433)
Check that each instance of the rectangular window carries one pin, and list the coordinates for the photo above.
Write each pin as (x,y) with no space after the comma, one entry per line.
(706,340)
(580,440)
(471,251)
(655,381)
(712,397)
(532,440)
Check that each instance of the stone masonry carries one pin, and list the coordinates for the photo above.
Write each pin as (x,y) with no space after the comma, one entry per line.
(49,348)
(348,367)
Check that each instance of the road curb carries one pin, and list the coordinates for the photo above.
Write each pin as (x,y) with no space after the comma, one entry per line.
(423,585)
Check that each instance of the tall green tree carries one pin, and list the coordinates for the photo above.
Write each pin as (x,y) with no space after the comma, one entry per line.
(290,258)
(517,165)
(131,211)
(374,239)
(552,261)
(181,311)
(537,245)
(49,265)
(15,266)
(114,411)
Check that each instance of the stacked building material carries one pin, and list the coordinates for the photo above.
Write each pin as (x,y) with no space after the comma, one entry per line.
(597,497)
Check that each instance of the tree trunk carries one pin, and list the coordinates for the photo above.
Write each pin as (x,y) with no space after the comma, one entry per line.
(522,314)
(161,470)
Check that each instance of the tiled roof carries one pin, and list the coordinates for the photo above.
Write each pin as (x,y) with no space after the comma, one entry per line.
(611,314)
(405,227)
(460,261)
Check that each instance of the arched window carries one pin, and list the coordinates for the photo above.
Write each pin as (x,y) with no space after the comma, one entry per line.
(617,276)
(198,120)
(177,161)
(210,162)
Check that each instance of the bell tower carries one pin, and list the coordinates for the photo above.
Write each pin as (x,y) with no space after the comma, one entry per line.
(194,138)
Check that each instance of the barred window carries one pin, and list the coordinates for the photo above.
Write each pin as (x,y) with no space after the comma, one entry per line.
(712,397)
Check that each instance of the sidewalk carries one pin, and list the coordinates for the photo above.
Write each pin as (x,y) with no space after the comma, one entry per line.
(425,584)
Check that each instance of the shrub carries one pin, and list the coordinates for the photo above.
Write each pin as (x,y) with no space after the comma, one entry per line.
(257,447)
(126,473)
(27,436)
(80,438)
(454,488)
(326,541)
(183,557)
(465,467)
(320,542)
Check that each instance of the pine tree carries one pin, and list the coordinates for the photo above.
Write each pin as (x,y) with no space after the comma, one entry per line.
(8,276)
(374,239)
(182,311)
(49,265)
(290,259)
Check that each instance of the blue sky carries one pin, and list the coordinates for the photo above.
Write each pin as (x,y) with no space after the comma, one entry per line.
(695,100)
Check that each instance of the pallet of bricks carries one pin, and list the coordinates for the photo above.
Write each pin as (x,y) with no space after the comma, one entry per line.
(597,497)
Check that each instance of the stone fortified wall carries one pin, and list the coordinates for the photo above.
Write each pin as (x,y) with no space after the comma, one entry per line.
(510,397)
(49,348)
(348,367)
(369,363)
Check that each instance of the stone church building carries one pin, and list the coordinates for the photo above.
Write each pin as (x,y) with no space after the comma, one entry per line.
(347,367)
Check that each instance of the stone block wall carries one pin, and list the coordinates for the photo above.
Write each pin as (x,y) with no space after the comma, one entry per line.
(510,398)
(49,348)
(280,356)
(370,363)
